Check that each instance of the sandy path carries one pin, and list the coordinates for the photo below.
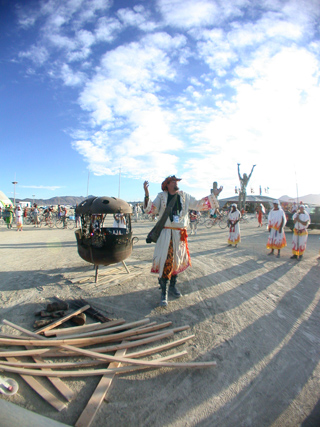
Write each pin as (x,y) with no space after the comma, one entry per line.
(257,316)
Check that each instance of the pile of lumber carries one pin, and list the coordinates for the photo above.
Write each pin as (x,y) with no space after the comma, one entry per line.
(104,347)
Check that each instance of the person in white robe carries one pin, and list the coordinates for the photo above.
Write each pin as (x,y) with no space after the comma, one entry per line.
(301,221)
(171,254)
(19,218)
(276,222)
(234,226)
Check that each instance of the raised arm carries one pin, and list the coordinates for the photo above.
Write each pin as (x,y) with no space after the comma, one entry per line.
(239,172)
(251,172)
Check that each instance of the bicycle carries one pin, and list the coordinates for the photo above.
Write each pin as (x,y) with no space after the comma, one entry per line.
(244,219)
(67,222)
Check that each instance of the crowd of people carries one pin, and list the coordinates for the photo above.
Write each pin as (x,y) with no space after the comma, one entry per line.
(171,254)
(19,215)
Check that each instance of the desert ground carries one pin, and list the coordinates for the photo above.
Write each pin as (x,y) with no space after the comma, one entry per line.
(257,316)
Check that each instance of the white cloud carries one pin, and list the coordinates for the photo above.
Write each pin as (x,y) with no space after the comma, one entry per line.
(188,13)
(71,78)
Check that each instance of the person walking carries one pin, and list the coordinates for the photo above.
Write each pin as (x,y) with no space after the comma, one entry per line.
(171,254)
(276,222)
(234,226)
(301,221)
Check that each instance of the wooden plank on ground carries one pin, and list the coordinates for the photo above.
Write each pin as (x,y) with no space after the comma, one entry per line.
(41,390)
(90,411)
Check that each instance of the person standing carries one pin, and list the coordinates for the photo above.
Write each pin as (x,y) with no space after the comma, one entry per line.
(234,226)
(301,221)
(171,254)
(261,212)
(194,219)
(36,216)
(19,218)
(276,222)
(9,216)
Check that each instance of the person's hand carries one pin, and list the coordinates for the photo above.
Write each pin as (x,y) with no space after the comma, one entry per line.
(217,191)
(146,187)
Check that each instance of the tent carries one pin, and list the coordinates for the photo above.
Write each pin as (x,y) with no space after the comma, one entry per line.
(4,200)
(251,201)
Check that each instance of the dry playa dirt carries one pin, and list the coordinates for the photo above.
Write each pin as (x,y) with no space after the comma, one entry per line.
(255,315)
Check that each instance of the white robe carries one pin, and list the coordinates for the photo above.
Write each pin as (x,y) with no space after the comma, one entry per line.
(300,233)
(234,229)
(276,239)
(177,231)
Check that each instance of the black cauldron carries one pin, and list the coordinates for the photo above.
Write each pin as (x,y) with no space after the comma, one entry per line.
(105,236)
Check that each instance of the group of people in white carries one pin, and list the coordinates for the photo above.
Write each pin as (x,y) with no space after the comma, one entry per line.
(276,223)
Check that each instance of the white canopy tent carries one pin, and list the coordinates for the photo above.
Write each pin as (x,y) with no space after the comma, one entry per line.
(4,200)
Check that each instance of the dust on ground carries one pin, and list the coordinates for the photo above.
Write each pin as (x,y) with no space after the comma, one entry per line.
(257,316)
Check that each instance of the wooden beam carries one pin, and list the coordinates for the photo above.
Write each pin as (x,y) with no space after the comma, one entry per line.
(21,353)
(90,411)
(75,341)
(134,355)
(159,363)
(21,329)
(84,328)
(40,389)
(111,348)
(100,330)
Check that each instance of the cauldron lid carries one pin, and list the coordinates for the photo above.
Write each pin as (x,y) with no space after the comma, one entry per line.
(103,205)
(84,206)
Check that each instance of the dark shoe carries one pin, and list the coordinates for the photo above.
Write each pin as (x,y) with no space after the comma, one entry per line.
(300,258)
(278,255)
(172,288)
(271,253)
(293,257)
(164,292)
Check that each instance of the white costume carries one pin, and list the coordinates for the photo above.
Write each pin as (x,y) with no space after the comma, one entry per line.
(276,240)
(234,228)
(19,219)
(177,231)
(300,233)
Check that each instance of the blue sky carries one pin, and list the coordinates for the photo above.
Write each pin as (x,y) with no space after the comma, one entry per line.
(155,88)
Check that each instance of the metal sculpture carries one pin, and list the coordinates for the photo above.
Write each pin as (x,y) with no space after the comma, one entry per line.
(244,180)
(105,236)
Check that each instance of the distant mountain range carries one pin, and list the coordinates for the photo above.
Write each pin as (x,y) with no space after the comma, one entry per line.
(65,200)
(54,201)
(311,199)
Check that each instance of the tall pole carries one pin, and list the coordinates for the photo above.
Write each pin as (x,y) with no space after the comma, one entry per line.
(119,183)
(14,192)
